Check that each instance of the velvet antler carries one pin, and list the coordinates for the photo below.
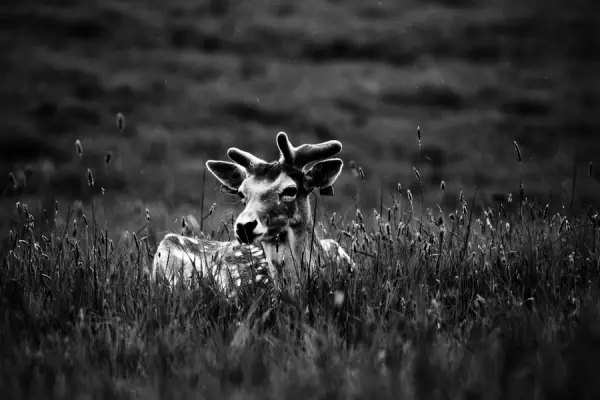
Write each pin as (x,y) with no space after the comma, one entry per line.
(245,159)
(305,154)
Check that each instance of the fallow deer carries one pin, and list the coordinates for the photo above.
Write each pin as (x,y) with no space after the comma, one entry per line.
(274,233)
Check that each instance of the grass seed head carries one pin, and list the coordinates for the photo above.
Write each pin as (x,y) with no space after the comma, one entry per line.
(120,122)
(518,151)
(79,148)
(417,175)
(107,158)
(443,185)
(90,178)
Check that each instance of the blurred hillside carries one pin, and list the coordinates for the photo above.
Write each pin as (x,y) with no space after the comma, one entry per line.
(196,77)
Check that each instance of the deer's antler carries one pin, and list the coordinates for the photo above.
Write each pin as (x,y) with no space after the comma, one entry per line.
(245,159)
(307,153)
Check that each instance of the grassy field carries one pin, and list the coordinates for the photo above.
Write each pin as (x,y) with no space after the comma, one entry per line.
(492,295)
(445,307)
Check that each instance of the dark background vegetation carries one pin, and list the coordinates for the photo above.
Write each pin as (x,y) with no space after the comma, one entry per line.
(196,77)
(500,306)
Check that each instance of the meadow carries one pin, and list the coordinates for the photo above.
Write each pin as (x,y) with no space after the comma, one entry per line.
(478,263)
(443,305)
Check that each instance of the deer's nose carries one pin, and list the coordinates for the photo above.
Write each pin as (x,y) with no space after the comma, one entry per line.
(245,231)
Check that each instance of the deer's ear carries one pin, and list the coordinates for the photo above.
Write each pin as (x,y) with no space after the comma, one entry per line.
(229,174)
(323,175)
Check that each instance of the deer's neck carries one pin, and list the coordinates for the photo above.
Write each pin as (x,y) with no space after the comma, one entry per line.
(296,251)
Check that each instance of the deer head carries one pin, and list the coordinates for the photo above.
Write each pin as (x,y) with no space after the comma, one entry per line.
(275,194)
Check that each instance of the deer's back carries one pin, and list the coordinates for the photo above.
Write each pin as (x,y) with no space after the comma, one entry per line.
(228,263)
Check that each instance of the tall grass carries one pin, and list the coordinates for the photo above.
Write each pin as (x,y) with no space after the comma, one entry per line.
(452,304)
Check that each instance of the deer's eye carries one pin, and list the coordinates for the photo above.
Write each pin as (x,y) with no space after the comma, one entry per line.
(289,192)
